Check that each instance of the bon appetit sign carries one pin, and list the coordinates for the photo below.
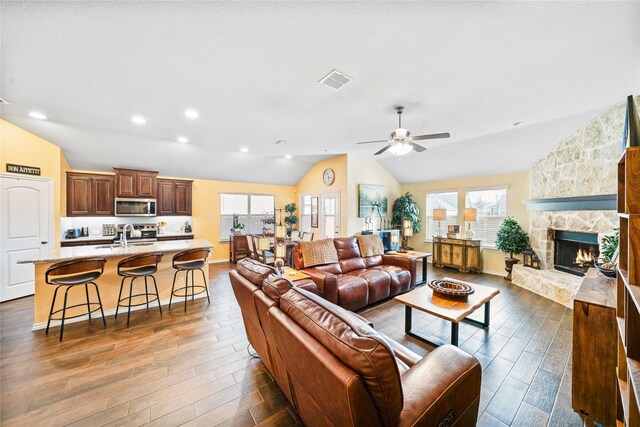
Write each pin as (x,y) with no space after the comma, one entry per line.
(26,170)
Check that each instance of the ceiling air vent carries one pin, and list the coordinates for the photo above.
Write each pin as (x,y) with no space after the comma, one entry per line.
(335,79)
(282,142)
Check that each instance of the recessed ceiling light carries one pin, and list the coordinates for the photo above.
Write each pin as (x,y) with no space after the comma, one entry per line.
(244,149)
(518,123)
(287,156)
(37,115)
(183,139)
(139,120)
(192,114)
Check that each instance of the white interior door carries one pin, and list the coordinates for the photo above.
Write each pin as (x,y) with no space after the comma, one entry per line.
(330,215)
(26,219)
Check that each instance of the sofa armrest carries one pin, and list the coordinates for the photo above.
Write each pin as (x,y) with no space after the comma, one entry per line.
(404,262)
(442,389)
(327,283)
(403,353)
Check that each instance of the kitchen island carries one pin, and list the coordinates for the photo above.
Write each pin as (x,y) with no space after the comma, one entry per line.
(109,282)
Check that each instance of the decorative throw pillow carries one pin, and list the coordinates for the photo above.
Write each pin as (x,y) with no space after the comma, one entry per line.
(319,252)
(370,245)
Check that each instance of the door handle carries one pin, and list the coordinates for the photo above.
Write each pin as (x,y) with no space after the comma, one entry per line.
(44,243)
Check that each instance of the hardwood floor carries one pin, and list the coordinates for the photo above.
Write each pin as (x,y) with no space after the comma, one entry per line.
(194,369)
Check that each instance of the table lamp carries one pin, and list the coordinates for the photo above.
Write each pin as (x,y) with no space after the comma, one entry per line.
(439,214)
(394,241)
(407,231)
(470,214)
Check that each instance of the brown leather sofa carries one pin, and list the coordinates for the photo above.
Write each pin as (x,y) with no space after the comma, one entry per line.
(336,370)
(356,281)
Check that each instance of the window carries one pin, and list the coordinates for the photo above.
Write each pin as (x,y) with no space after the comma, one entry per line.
(448,201)
(305,213)
(250,208)
(492,210)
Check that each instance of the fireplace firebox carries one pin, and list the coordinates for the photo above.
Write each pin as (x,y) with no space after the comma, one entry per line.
(575,252)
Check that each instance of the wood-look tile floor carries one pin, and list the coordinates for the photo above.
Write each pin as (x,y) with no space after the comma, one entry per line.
(194,369)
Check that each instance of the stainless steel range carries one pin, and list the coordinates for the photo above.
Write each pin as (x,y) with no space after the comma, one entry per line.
(148,232)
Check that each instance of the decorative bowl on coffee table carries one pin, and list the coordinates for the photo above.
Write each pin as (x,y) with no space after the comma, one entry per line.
(451,289)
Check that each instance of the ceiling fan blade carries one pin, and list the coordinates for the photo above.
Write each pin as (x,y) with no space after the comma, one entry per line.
(383,150)
(373,142)
(418,148)
(432,136)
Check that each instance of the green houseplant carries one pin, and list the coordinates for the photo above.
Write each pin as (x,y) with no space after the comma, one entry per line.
(609,245)
(511,239)
(291,220)
(404,207)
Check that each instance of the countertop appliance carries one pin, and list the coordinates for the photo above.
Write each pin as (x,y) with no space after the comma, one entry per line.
(148,232)
(135,207)
(73,233)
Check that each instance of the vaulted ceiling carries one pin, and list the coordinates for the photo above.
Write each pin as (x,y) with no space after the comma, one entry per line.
(251,70)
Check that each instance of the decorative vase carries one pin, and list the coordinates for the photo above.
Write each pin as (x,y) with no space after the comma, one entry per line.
(509,263)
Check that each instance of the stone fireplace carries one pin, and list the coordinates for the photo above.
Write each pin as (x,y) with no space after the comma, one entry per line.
(573,206)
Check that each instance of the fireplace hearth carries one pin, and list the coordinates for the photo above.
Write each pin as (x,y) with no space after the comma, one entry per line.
(575,252)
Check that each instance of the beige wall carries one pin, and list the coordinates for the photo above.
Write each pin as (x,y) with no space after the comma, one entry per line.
(517,190)
(365,170)
(311,184)
(24,148)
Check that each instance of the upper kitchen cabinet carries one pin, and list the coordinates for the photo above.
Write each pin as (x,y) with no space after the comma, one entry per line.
(90,194)
(136,183)
(174,197)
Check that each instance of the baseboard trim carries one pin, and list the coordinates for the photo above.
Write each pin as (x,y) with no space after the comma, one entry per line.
(123,310)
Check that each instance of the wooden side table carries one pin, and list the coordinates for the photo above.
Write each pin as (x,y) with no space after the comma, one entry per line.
(417,255)
(294,275)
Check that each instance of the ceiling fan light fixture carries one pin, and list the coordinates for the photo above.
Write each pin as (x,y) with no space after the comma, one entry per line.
(401,133)
(400,149)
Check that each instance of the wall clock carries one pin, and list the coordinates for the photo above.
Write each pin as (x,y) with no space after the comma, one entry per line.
(328,176)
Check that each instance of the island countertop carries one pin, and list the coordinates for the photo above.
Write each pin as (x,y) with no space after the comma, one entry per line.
(63,254)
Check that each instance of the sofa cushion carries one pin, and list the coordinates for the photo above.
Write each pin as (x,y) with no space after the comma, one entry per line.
(328,268)
(353,292)
(372,261)
(274,286)
(254,271)
(318,252)
(379,283)
(400,278)
(354,343)
(347,265)
(347,247)
(370,245)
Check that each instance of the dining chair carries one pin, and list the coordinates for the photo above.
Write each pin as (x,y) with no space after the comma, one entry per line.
(295,234)
(252,249)
(264,256)
(307,237)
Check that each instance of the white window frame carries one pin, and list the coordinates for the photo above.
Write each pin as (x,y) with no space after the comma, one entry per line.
(226,220)
(304,218)
(486,244)
(429,213)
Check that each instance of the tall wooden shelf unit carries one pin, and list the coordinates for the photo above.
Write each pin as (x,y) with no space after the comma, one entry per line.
(628,289)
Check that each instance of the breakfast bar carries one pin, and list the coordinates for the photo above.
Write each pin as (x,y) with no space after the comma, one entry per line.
(109,282)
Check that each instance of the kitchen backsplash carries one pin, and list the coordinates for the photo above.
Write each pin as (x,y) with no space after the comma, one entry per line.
(174,223)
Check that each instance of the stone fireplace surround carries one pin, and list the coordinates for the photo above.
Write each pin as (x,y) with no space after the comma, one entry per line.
(581,166)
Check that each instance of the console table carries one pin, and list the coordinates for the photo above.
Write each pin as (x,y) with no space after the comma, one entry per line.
(463,254)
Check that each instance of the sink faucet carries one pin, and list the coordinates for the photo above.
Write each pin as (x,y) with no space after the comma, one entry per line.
(123,236)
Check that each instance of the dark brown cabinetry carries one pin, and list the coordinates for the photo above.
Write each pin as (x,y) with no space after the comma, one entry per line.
(165,238)
(68,243)
(238,247)
(136,183)
(89,194)
(174,197)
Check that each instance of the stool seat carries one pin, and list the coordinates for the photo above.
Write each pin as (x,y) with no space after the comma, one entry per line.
(141,271)
(193,265)
(77,279)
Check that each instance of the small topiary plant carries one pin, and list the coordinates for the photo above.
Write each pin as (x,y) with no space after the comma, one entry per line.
(511,238)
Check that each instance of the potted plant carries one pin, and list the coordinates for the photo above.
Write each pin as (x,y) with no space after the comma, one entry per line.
(266,224)
(237,226)
(511,239)
(405,208)
(609,254)
(291,219)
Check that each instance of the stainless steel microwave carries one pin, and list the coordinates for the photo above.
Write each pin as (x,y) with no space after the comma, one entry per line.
(135,207)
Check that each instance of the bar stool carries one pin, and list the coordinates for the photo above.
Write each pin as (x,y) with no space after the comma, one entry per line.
(133,267)
(190,261)
(69,274)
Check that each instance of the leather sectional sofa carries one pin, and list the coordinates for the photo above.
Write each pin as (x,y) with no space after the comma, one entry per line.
(336,370)
(355,281)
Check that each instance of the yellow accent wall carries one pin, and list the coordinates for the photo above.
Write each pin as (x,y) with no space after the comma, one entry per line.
(518,189)
(311,184)
(366,170)
(24,148)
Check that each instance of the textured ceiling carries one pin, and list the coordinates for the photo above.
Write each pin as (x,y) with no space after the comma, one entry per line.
(251,70)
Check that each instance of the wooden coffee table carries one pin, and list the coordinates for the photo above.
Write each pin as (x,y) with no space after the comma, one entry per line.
(451,310)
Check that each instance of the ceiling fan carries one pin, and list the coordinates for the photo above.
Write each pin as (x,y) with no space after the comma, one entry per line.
(401,142)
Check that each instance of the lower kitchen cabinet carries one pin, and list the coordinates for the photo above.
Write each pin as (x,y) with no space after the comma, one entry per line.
(69,243)
(463,254)
(165,238)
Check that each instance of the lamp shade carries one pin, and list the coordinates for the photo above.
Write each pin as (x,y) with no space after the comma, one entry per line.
(470,214)
(407,232)
(406,224)
(280,251)
(281,232)
(439,214)
(264,244)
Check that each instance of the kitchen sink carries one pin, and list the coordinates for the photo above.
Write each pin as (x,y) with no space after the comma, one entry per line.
(115,245)
(142,244)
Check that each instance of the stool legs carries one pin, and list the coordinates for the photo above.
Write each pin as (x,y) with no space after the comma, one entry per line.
(86,291)
(206,288)
(155,285)
(64,312)
(119,297)
(130,297)
(64,306)
(186,286)
(53,302)
(172,287)
(104,321)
